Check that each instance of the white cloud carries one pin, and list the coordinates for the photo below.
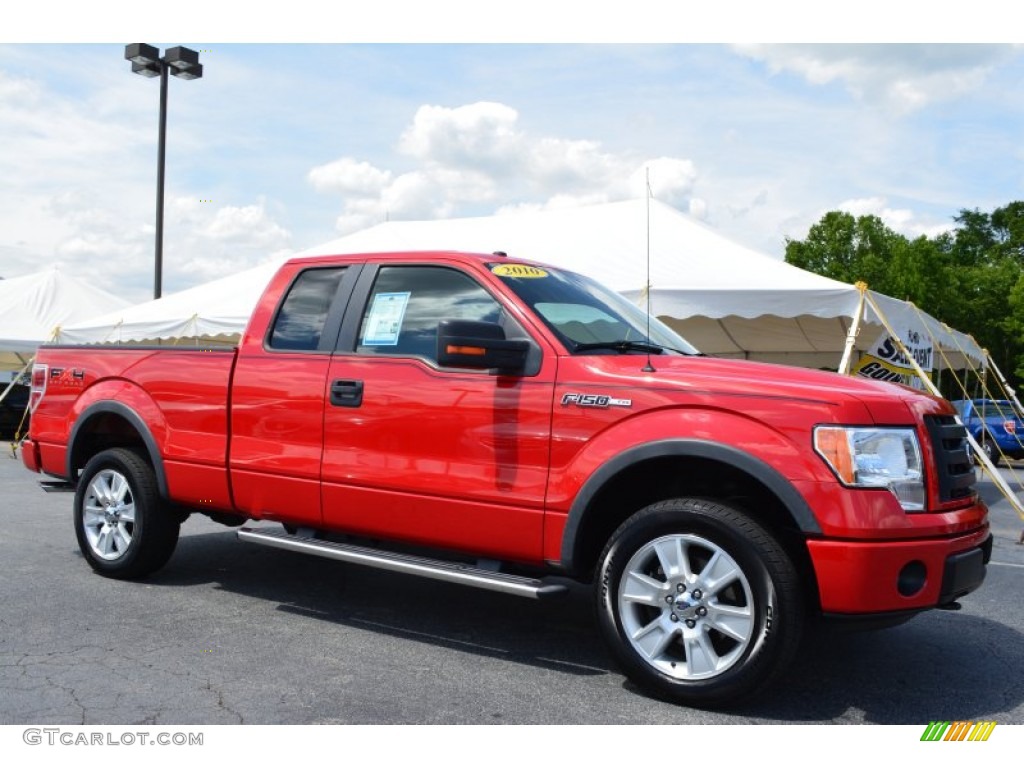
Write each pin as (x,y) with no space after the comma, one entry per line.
(472,136)
(247,225)
(698,208)
(201,242)
(349,176)
(902,78)
(413,195)
(901,220)
(477,155)
(671,180)
(17,90)
(206,242)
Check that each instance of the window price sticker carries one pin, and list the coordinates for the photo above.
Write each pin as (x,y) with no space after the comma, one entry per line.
(385,319)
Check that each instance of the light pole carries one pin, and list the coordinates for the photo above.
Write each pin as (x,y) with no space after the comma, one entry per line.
(181,62)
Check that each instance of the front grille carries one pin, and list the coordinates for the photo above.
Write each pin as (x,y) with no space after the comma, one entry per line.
(952,458)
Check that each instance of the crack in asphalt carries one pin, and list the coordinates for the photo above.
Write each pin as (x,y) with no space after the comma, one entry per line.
(43,677)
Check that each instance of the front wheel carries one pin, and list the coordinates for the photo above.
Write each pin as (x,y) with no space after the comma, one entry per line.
(988,446)
(124,529)
(698,603)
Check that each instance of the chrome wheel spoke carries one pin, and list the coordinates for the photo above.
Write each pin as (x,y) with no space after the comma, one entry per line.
(101,489)
(701,658)
(732,621)
(105,542)
(653,639)
(118,488)
(92,517)
(643,589)
(672,558)
(127,515)
(720,571)
(122,537)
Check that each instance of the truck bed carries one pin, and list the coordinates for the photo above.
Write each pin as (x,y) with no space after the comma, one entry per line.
(180,392)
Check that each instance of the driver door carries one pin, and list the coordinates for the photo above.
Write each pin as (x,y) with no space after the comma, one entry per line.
(419,452)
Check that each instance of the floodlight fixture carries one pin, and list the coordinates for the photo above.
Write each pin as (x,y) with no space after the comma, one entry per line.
(140,53)
(183,63)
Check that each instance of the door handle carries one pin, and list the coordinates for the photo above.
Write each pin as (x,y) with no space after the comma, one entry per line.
(346,393)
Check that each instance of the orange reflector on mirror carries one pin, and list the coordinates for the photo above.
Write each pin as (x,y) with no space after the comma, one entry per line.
(475,351)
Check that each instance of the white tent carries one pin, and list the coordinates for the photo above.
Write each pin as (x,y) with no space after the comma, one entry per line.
(211,312)
(726,299)
(34,308)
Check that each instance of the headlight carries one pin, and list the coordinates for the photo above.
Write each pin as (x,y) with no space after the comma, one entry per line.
(875,457)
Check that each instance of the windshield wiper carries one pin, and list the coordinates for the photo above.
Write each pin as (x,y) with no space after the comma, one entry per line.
(622,346)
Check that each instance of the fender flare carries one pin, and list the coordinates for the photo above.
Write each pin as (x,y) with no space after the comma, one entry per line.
(764,473)
(126,413)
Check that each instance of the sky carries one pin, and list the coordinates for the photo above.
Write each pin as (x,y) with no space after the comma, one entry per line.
(284,144)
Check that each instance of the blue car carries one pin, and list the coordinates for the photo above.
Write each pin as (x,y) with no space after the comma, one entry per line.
(996,425)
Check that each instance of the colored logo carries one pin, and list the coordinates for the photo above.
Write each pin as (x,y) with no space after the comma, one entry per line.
(68,377)
(958,730)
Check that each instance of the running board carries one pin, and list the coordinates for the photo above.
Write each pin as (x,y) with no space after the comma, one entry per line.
(453,572)
(57,486)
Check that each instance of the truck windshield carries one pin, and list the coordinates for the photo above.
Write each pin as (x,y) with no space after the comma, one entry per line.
(587,317)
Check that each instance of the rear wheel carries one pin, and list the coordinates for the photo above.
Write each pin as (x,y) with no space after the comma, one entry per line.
(698,603)
(124,529)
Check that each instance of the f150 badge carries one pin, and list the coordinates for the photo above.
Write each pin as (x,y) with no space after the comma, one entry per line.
(594,401)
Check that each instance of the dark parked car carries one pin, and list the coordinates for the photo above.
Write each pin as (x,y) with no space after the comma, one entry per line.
(12,408)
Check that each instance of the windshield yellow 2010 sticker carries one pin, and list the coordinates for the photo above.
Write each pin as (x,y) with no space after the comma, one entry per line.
(518,270)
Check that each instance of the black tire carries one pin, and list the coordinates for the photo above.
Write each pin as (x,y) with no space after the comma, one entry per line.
(988,445)
(710,638)
(124,529)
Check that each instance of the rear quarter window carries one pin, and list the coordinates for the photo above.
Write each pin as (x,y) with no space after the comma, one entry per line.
(300,320)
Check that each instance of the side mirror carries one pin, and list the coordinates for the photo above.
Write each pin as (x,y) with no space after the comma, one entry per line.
(473,344)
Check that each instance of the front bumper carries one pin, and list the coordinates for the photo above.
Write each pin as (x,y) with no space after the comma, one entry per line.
(964,572)
(856,577)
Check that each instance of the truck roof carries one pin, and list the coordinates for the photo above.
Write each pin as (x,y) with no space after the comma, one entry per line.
(409,256)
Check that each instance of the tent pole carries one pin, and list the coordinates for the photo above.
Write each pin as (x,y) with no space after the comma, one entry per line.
(987,466)
(1002,380)
(851,336)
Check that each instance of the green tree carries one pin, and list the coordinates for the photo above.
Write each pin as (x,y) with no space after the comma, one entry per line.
(845,248)
(1008,226)
(865,249)
(971,278)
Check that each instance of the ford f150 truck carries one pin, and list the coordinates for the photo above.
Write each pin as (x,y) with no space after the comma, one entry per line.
(511,426)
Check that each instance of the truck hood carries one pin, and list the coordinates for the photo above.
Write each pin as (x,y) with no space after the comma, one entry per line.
(884,402)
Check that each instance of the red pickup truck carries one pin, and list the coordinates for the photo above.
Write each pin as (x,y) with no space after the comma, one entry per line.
(513,426)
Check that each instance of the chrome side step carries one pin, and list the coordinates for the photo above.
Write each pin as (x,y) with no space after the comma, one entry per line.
(57,486)
(456,573)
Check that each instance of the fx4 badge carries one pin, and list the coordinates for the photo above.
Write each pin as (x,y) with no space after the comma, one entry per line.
(594,401)
(74,377)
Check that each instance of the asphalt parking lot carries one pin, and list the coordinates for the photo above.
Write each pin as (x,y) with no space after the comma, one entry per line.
(231,633)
